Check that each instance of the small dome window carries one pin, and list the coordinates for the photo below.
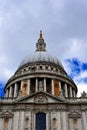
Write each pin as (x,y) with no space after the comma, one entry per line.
(41,67)
(46,67)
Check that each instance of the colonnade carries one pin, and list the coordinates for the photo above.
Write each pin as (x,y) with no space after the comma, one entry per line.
(66,89)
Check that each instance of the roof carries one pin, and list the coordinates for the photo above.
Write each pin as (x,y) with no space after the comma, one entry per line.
(40,54)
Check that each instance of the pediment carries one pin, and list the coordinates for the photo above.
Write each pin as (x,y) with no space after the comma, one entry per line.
(40,97)
(6,114)
(74,114)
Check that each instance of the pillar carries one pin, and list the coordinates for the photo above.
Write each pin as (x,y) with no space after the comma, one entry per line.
(70,91)
(15,121)
(59,121)
(36,84)
(84,124)
(64,121)
(60,89)
(70,123)
(44,84)
(10,91)
(6,93)
(29,116)
(10,123)
(1,124)
(21,85)
(52,84)
(28,87)
(79,124)
(74,93)
(60,85)
(15,90)
(66,91)
(47,122)
(21,121)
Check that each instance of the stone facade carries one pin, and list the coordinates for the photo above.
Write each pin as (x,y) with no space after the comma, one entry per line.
(41,96)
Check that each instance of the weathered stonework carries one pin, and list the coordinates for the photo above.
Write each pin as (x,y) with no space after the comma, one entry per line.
(40,89)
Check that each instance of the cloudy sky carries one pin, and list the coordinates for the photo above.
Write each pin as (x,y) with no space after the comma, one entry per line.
(64,26)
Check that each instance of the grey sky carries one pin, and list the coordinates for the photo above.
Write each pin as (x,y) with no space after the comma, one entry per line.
(64,26)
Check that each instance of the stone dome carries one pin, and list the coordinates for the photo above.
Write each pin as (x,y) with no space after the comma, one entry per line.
(40,71)
(40,55)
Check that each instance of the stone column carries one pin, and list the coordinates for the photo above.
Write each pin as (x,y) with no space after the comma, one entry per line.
(60,85)
(74,93)
(47,122)
(52,84)
(10,92)
(28,87)
(36,85)
(29,116)
(79,124)
(70,91)
(22,121)
(44,84)
(6,93)
(31,121)
(10,123)
(60,89)
(21,85)
(15,121)
(70,124)
(15,90)
(34,121)
(64,120)
(59,121)
(84,124)
(1,123)
(66,91)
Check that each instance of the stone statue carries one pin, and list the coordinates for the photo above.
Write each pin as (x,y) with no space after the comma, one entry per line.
(40,86)
(83,94)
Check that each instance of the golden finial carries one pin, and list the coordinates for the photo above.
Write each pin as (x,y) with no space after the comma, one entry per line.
(40,34)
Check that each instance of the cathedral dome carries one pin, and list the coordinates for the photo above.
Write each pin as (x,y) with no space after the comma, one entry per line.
(41,55)
(40,71)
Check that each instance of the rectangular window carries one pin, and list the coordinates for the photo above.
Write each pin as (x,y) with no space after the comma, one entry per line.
(74,123)
(6,123)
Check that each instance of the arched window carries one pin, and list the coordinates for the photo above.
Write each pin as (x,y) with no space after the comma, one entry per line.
(6,123)
(54,123)
(26,123)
